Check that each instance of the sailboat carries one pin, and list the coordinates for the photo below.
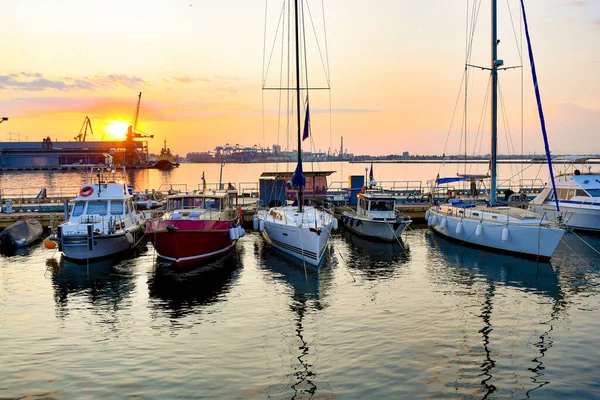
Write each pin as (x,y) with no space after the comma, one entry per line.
(301,231)
(492,225)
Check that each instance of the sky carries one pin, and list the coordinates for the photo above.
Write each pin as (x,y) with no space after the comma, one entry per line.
(394,67)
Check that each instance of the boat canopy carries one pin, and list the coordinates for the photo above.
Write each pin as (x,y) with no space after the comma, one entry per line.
(460,178)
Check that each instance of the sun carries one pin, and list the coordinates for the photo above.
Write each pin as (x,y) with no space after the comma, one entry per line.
(116,129)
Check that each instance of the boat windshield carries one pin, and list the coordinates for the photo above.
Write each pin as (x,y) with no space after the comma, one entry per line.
(212,204)
(192,202)
(382,205)
(78,207)
(97,207)
(593,192)
(116,207)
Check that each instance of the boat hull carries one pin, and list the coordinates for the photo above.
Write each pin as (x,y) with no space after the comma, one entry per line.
(298,242)
(165,164)
(574,215)
(183,243)
(387,231)
(78,247)
(532,241)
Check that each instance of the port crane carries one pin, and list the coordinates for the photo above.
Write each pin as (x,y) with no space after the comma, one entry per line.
(83,131)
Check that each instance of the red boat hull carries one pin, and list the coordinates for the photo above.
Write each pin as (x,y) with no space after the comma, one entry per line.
(184,242)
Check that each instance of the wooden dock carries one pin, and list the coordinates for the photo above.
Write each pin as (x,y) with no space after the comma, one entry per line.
(45,218)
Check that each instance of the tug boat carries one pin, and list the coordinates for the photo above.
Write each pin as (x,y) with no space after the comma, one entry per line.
(196,226)
(103,220)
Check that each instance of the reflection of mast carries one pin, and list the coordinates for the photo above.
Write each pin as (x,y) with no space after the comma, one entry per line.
(304,385)
(489,363)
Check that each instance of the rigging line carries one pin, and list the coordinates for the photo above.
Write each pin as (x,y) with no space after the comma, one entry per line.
(266,70)
(512,23)
(452,120)
(326,45)
(507,133)
(587,244)
(317,41)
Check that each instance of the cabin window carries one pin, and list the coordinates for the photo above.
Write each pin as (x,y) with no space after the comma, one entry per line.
(116,207)
(382,206)
(192,202)
(362,204)
(174,204)
(212,204)
(593,192)
(78,207)
(97,207)
(581,192)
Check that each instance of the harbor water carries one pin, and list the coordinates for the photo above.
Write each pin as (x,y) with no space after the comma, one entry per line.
(423,318)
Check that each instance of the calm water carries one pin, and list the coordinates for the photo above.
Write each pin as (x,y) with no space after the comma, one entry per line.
(425,319)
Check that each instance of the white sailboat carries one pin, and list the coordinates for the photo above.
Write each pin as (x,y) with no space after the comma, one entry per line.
(493,226)
(301,231)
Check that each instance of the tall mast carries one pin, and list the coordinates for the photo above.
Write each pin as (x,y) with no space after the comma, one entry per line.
(494,103)
(297,18)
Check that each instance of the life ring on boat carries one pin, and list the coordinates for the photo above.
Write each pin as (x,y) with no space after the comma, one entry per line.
(158,196)
(86,191)
(363,189)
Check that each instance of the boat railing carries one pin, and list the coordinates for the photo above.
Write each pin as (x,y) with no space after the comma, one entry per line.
(248,189)
(172,188)
(28,196)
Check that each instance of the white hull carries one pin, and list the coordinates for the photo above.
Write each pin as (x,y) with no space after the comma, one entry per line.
(78,247)
(496,230)
(575,216)
(381,230)
(300,238)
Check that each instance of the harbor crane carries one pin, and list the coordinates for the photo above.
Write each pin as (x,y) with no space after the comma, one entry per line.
(83,131)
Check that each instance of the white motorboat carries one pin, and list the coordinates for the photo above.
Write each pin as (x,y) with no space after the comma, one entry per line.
(103,220)
(491,225)
(376,217)
(577,195)
(303,230)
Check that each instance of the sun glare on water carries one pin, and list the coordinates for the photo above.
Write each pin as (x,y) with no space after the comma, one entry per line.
(116,130)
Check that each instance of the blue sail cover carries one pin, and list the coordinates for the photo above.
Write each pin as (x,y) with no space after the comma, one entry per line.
(441,181)
(298,178)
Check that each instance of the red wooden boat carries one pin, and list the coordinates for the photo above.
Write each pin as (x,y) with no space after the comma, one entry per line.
(196,226)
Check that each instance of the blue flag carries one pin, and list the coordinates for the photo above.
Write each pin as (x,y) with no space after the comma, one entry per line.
(371,173)
(306,124)
(298,178)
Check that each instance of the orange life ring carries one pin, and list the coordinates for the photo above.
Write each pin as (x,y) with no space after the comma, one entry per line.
(86,191)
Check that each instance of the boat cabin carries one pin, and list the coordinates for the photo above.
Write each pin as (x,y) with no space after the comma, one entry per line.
(201,205)
(375,206)
(273,186)
(97,202)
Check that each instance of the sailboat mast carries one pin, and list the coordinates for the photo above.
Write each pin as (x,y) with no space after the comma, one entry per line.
(494,105)
(297,18)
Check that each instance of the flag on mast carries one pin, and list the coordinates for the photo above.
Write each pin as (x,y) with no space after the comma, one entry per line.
(203,181)
(306,132)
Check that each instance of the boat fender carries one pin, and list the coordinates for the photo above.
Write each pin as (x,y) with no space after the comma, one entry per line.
(242,231)
(255,223)
(129,237)
(363,189)
(335,224)
(427,215)
(86,191)
(443,223)
(49,243)
(358,222)
(505,234)
(233,234)
(459,228)
(261,225)
(478,230)
(351,222)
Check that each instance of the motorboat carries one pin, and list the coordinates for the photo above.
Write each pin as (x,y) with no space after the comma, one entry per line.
(103,220)
(376,217)
(577,194)
(196,226)
(22,233)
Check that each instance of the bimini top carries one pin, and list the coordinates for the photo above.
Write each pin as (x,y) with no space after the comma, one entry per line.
(287,175)
(460,178)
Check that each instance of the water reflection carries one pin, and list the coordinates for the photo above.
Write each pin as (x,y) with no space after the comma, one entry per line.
(479,277)
(308,287)
(103,284)
(181,292)
(375,260)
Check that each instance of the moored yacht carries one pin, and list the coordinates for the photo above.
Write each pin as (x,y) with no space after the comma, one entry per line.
(578,197)
(196,226)
(376,217)
(103,220)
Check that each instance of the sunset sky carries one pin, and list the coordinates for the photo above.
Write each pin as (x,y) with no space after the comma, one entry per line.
(395,68)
